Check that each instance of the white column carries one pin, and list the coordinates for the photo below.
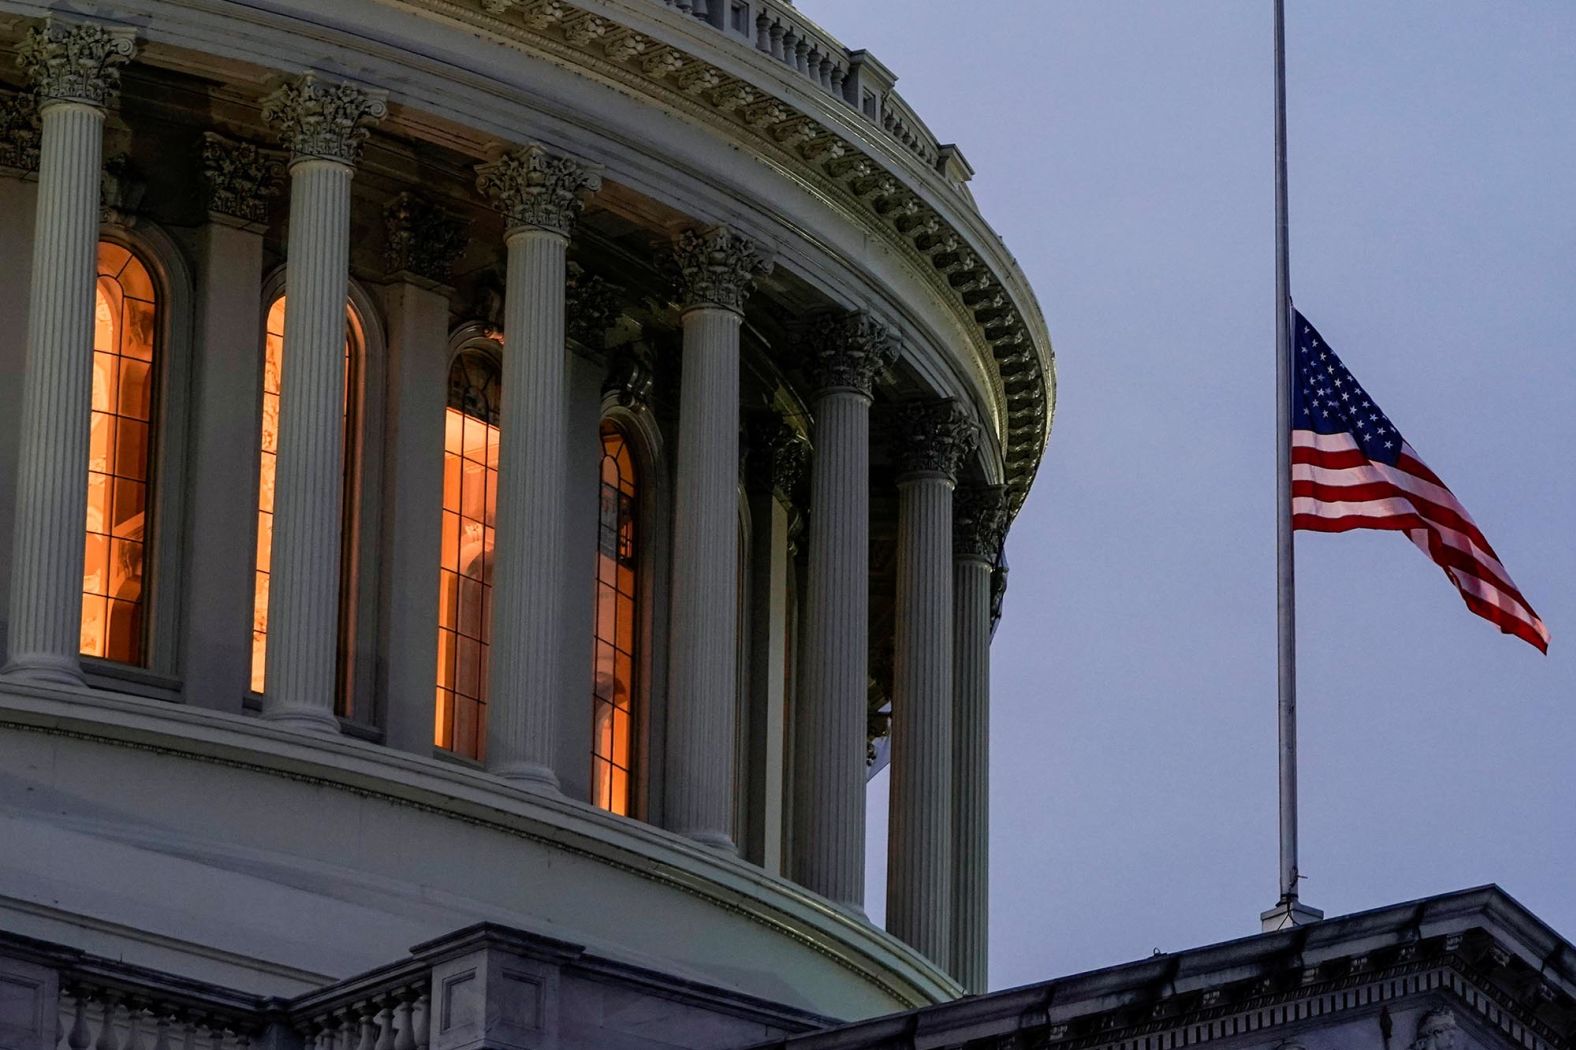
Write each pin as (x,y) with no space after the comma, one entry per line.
(539,195)
(930,443)
(324,128)
(716,272)
(217,618)
(979,524)
(831,724)
(74,69)
(776,458)
(422,244)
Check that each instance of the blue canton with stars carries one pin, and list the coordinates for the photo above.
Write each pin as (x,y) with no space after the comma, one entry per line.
(1327,400)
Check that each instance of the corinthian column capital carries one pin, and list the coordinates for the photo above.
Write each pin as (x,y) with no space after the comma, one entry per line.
(76,62)
(242,177)
(979,522)
(776,456)
(318,121)
(535,189)
(422,239)
(932,437)
(848,351)
(716,268)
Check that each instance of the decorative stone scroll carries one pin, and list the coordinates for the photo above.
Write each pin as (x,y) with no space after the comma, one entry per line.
(535,189)
(777,455)
(979,521)
(932,437)
(630,380)
(715,267)
(591,307)
(242,177)
(422,240)
(19,133)
(848,351)
(76,62)
(320,121)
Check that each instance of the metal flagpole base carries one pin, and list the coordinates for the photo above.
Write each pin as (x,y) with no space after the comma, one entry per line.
(1286,914)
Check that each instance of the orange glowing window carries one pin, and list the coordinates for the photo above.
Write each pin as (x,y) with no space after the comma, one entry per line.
(119,479)
(617,624)
(273,368)
(470,504)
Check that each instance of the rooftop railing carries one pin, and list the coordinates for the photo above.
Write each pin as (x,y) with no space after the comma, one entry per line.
(854,78)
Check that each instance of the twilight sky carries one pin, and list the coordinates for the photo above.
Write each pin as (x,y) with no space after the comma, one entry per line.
(1123,151)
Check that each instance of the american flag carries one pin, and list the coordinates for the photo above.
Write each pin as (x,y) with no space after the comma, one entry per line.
(1352,469)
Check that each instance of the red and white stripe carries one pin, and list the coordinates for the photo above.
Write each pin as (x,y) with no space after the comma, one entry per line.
(1335,487)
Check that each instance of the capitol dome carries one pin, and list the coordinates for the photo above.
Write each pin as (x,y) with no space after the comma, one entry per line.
(494,475)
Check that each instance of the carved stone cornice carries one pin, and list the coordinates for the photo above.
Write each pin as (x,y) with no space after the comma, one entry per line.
(715,267)
(847,351)
(320,121)
(76,61)
(535,189)
(932,437)
(591,307)
(18,131)
(777,456)
(421,239)
(242,178)
(979,522)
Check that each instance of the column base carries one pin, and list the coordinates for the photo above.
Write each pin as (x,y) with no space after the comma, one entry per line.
(44,670)
(530,776)
(303,719)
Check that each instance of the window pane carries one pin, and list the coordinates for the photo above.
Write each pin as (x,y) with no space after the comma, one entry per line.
(614,703)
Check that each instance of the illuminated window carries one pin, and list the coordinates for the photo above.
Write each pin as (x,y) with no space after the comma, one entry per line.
(617,582)
(273,365)
(118,459)
(470,504)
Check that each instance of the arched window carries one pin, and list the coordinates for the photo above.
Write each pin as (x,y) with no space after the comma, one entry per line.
(470,505)
(614,708)
(268,446)
(119,474)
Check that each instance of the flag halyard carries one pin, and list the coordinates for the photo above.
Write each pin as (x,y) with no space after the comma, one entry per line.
(1352,469)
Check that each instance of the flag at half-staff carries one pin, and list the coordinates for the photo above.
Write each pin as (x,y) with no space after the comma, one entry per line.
(1352,469)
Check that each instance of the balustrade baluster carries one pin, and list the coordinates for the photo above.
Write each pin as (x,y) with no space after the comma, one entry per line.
(106,1033)
(385,1022)
(134,1011)
(405,1039)
(366,1013)
(80,1038)
(421,1023)
(161,1031)
(215,1034)
(763,38)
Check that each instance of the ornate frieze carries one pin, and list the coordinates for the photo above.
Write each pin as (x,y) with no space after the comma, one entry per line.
(242,177)
(848,351)
(591,307)
(421,239)
(777,455)
(535,189)
(76,62)
(321,121)
(18,131)
(715,267)
(979,521)
(932,437)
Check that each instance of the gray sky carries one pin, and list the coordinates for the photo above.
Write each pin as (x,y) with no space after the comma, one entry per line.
(1123,151)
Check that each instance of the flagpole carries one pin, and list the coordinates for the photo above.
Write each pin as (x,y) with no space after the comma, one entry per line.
(1287,911)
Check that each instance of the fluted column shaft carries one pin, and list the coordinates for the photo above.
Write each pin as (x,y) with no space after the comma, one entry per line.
(919,875)
(303,593)
(702,693)
(971,768)
(829,754)
(523,691)
(51,498)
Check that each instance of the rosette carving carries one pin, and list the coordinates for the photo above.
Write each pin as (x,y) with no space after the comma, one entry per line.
(979,521)
(76,62)
(848,351)
(19,133)
(535,189)
(324,121)
(421,239)
(778,455)
(715,267)
(932,437)
(242,177)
